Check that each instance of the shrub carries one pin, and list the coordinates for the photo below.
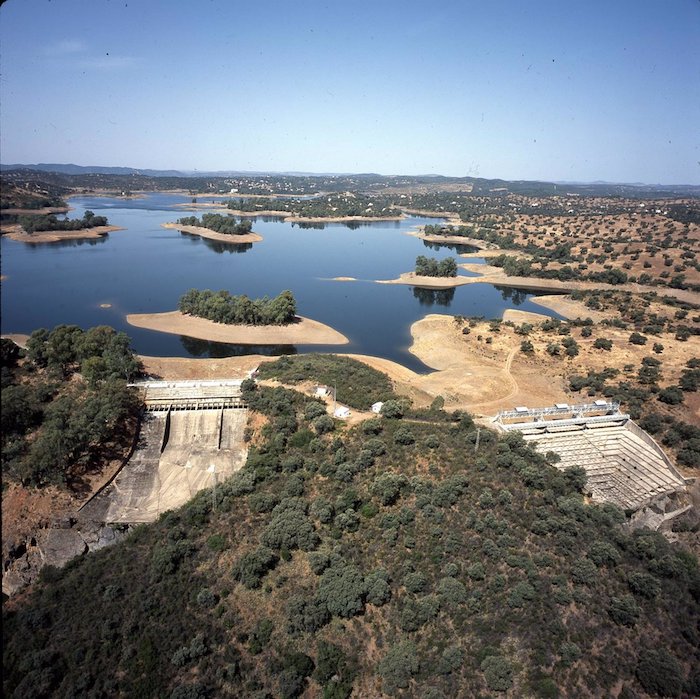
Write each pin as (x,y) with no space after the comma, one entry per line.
(498,673)
(672,395)
(659,673)
(398,666)
(415,581)
(451,660)
(343,590)
(318,561)
(644,585)
(584,572)
(378,590)
(392,409)
(387,487)
(314,410)
(452,592)
(306,615)
(404,436)
(323,424)
(375,446)
(602,343)
(624,610)
(253,566)
(290,528)
(604,554)
(206,598)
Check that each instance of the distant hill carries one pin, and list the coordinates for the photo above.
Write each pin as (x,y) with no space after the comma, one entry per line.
(70,169)
(126,178)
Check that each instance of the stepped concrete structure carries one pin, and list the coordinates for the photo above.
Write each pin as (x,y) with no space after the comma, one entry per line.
(624,464)
(191,435)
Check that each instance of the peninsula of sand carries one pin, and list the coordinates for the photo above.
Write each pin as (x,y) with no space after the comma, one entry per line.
(213,235)
(302,332)
(16,232)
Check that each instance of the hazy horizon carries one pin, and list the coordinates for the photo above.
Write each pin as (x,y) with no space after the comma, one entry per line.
(511,90)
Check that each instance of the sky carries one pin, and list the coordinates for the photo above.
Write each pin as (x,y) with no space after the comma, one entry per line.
(563,90)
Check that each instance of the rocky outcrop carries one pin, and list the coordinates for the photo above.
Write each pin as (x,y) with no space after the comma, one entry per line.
(55,546)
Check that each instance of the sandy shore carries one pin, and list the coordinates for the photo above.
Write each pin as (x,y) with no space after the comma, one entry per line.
(213,235)
(304,332)
(412,279)
(17,233)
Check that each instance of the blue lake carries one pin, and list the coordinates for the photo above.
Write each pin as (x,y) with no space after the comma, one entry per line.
(146,268)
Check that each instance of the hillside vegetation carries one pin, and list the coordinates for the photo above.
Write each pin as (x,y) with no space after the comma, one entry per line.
(67,405)
(394,558)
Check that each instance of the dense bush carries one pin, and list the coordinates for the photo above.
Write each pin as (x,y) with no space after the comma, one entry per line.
(659,673)
(222,307)
(33,224)
(430,267)
(356,384)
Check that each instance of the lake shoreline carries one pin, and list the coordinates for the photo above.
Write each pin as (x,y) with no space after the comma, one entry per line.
(16,232)
(203,232)
(303,332)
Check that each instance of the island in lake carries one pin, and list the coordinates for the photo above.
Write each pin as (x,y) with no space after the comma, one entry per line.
(217,227)
(219,316)
(49,229)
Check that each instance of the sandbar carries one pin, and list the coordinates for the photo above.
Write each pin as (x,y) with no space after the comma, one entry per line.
(16,232)
(213,235)
(343,279)
(304,332)
(412,279)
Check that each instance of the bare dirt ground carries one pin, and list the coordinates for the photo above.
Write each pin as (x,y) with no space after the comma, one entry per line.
(184,368)
(303,332)
(213,235)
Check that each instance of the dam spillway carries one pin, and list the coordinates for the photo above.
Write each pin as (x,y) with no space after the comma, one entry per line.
(191,433)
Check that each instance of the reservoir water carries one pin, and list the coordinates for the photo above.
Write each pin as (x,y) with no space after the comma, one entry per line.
(146,268)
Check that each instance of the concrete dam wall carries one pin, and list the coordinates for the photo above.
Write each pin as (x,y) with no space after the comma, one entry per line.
(173,460)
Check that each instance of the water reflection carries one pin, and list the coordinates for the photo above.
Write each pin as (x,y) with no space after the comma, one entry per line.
(459,248)
(220,350)
(516,296)
(219,246)
(69,243)
(433,297)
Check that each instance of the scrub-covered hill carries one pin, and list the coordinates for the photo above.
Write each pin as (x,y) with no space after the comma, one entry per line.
(398,557)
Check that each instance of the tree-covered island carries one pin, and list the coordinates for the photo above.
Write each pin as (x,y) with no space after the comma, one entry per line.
(223,307)
(33,224)
(228,225)
(430,267)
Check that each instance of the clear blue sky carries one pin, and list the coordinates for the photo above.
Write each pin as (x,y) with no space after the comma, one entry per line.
(519,89)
